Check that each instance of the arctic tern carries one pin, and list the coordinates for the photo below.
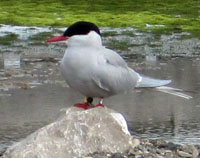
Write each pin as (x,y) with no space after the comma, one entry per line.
(98,72)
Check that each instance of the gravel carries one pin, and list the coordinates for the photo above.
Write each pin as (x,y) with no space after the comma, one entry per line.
(159,148)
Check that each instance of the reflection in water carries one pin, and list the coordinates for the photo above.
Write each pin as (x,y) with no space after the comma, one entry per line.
(149,113)
(11,60)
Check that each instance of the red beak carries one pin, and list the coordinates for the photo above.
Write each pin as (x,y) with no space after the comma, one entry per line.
(56,39)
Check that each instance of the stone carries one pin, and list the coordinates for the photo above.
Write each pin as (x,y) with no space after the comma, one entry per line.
(191,149)
(117,155)
(136,142)
(1,153)
(183,154)
(76,133)
(195,152)
(172,146)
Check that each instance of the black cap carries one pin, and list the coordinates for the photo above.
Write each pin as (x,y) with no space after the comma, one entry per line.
(81,28)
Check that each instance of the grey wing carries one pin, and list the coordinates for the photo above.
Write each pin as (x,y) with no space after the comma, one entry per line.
(113,58)
(112,73)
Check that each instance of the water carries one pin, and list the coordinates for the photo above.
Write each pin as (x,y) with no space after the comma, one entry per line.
(39,93)
(23,31)
(11,60)
(32,92)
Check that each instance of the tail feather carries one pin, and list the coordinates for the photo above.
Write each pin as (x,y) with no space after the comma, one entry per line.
(159,85)
(173,91)
(147,82)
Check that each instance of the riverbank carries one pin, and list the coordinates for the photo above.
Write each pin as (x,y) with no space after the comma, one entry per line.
(31,41)
(94,133)
(154,149)
(146,148)
(152,15)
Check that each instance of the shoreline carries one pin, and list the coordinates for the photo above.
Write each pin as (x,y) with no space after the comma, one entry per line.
(160,148)
(151,15)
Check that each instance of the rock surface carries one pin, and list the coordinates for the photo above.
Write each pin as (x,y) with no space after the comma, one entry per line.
(94,133)
(159,148)
(77,133)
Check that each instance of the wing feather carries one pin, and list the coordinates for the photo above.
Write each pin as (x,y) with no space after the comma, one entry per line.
(112,73)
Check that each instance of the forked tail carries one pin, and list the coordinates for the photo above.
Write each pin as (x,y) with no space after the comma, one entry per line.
(173,91)
(159,85)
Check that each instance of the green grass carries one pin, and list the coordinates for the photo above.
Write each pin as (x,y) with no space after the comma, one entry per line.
(109,33)
(175,15)
(118,45)
(128,33)
(8,39)
(41,36)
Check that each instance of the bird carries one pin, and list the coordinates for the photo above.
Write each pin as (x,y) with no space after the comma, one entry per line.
(98,72)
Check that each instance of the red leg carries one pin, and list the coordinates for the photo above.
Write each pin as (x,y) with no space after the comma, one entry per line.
(82,105)
(101,105)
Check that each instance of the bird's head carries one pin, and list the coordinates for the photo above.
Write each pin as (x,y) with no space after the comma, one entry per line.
(78,30)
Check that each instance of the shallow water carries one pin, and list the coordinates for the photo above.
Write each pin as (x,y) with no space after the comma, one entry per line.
(39,93)
(32,92)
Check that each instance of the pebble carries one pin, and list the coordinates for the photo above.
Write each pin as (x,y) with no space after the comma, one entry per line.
(155,149)
(195,152)
(117,155)
(183,154)
(136,142)
(3,78)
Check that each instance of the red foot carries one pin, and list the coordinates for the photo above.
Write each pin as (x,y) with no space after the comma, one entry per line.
(82,105)
(101,105)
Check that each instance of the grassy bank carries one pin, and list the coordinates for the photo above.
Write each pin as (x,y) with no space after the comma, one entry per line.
(155,15)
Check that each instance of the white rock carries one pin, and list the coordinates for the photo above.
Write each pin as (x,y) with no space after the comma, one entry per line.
(76,133)
(183,154)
